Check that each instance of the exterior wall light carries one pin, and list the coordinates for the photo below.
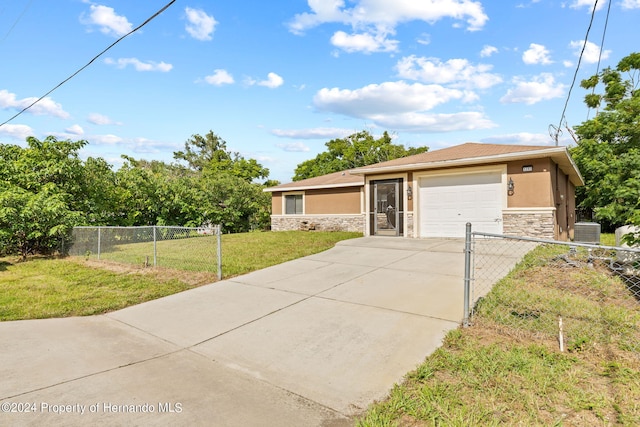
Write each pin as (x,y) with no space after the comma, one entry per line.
(510,187)
(409,193)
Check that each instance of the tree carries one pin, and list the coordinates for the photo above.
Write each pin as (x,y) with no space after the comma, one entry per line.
(356,150)
(41,194)
(209,153)
(608,146)
(34,222)
(156,193)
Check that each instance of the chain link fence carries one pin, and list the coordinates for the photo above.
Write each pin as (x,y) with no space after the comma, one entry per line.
(178,248)
(580,295)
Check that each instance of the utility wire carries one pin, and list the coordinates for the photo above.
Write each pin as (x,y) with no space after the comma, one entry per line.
(604,32)
(575,75)
(89,63)
(16,21)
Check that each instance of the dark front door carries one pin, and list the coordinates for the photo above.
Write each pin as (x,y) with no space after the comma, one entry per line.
(386,211)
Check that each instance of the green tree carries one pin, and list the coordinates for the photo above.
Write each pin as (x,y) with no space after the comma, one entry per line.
(41,194)
(608,148)
(209,153)
(34,222)
(356,150)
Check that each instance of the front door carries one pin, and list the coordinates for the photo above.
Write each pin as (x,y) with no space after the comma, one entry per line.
(386,212)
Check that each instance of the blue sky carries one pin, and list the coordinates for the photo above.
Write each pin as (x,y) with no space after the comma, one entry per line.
(277,80)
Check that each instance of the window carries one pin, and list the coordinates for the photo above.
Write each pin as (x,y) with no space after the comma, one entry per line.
(293,204)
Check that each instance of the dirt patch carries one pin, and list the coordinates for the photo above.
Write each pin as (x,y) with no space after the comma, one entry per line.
(192,278)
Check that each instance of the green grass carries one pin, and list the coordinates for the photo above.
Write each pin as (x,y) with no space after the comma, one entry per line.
(43,288)
(245,252)
(75,286)
(608,239)
(507,368)
(241,253)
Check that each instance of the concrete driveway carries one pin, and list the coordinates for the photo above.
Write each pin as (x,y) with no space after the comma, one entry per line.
(309,342)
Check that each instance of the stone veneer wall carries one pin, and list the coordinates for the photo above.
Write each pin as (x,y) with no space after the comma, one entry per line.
(410,225)
(354,223)
(530,223)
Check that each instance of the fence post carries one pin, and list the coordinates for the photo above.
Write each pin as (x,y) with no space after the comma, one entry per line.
(155,248)
(467,275)
(219,236)
(98,242)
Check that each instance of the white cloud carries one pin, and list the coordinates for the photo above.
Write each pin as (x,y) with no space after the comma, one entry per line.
(46,106)
(147,146)
(106,139)
(139,65)
(364,42)
(425,122)
(75,130)
(540,88)
(488,50)
(402,106)
(373,20)
(425,39)
(536,54)
(219,77)
(100,119)
(201,25)
(107,20)
(521,138)
(456,72)
(294,147)
(20,132)
(390,97)
(273,81)
(577,4)
(313,133)
(376,12)
(591,51)
(630,4)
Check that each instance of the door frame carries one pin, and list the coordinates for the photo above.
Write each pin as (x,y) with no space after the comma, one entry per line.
(400,203)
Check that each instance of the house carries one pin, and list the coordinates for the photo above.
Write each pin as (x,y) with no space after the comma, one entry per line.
(503,189)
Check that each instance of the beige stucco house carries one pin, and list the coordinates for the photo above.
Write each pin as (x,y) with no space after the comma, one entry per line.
(503,189)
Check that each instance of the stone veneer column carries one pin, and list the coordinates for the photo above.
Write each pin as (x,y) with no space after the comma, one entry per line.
(532,222)
(410,229)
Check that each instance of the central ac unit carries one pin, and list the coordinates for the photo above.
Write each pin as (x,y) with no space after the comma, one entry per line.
(586,232)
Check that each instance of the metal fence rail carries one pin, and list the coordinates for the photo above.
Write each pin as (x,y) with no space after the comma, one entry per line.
(578,294)
(180,248)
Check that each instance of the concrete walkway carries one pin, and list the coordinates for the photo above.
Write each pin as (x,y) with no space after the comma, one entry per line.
(309,342)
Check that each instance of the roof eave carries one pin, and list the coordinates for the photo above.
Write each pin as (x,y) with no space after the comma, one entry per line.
(557,153)
(313,187)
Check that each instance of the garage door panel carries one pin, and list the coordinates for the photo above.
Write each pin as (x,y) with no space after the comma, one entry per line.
(447,203)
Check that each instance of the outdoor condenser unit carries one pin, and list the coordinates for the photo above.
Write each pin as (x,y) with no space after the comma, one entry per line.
(586,232)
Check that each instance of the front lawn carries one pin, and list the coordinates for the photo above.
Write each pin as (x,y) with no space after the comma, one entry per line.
(75,286)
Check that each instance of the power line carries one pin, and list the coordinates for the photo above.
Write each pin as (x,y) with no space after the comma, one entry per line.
(575,75)
(90,62)
(16,21)
(604,32)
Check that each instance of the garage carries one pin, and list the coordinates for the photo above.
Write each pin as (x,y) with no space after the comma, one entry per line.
(448,202)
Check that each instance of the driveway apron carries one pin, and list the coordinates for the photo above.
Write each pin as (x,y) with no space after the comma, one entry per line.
(308,342)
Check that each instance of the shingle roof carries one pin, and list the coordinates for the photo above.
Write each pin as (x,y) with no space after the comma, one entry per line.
(470,153)
(468,150)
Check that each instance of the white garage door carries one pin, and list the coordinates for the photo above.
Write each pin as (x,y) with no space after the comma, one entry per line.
(447,203)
